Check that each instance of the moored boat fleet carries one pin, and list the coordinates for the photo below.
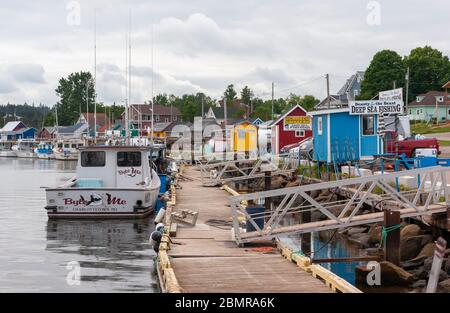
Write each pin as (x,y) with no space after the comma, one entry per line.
(62,149)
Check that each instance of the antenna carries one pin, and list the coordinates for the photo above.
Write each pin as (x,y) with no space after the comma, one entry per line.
(95,75)
(153,79)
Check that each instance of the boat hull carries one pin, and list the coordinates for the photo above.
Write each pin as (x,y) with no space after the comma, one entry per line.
(8,154)
(66,156)
(46,156)
(100,202)
(26,154)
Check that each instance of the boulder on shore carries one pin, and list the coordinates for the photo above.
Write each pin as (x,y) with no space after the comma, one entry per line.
(410,230)
(426,252)
(410,247)
(391,275)
(375,234)
(444,286)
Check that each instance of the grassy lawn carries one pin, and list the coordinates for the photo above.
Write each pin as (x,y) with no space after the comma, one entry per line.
(423,128)
(444,143)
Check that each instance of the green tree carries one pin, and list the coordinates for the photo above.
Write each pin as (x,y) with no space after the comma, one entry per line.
(246,95)
(385,68)
(230,94)
(308,102)
(429,70)
(73,96)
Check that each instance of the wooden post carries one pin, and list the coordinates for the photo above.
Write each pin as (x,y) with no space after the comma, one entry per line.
(392,240)
(306,238)
(267,186)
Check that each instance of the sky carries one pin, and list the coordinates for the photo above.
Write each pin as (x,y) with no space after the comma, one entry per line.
(204,45)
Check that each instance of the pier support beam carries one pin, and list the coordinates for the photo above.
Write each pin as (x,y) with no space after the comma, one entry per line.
(268,186)
(392,237)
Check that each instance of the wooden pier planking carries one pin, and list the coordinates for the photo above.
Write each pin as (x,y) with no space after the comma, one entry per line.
(205,259)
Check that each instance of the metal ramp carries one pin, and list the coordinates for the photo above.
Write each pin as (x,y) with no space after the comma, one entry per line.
(215,174)
(431,196)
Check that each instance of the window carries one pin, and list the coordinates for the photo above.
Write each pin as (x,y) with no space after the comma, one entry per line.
(157,118)
(368,125)
(174,118)
(166,119)
(356,92)
(319,125)
(299,133)
(93,158)
(410,111)
(421,111)
(241,134)
(128,158)
(418,112)
(66,145)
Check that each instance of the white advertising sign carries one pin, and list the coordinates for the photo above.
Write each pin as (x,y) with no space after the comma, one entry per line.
(394,94)
(375,107)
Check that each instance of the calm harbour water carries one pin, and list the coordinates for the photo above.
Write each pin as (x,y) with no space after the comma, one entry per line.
(114,255)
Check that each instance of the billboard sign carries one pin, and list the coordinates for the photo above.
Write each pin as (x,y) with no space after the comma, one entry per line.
(297,123)
(394,94)
(367,107)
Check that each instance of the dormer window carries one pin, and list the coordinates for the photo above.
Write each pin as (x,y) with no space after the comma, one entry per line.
(419,98)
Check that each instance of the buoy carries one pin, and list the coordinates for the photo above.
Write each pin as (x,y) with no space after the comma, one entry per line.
(160,227)
(155,238)
(159,217)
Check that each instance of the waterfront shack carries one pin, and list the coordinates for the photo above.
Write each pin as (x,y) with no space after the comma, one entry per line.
(292,127)
(342,137)
(245,137)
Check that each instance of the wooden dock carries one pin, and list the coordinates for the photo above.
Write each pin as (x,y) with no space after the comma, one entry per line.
(204,258)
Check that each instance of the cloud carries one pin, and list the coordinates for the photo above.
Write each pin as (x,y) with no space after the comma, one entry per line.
(26,73)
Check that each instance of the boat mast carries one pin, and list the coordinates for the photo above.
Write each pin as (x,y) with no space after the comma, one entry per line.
(126,87)
(153,79)
(95,76)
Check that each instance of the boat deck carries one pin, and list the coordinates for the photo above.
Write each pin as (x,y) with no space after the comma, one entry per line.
(205,259)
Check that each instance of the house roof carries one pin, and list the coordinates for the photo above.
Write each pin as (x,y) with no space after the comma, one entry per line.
(330,111)
(102,119)
(10,126)
(70,129)
(348,84)
(18,132)
(429,99)
(158,109)
(446,85)
(297,106)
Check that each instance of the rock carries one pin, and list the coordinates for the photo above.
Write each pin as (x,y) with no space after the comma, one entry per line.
(442,276)
(444,286)
(374,251)
(410,247)
(427,264)
(419,274)
(419,284)
(426,239)
(391,275)
(447,266)
(426,252)
(447,253)
(355,230)
(375,234)
(362,239)
(409,231)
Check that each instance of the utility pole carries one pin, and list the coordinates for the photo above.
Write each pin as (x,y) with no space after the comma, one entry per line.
(273,94)
(395,84)
(203,106)
(87,107)
(407,91)
(327,76)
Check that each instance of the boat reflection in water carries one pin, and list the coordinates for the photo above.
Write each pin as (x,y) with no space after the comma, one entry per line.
(115,251)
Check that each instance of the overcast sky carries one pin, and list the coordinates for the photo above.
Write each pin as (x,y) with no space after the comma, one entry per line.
(203,45)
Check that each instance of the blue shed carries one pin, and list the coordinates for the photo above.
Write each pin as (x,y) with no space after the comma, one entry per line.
(341,137)
(23,133)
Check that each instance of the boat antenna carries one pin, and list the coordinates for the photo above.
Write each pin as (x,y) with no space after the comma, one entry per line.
(129,65)
(95,76)
(87,106)
(153,81)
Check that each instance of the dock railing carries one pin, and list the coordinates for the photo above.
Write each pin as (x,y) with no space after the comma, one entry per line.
(430,196)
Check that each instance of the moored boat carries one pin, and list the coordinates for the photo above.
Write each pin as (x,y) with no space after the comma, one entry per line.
(25,148)
(67,149)
(110,182)
(5,149)
(44,150)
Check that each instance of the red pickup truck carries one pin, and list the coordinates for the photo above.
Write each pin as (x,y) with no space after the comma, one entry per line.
(408,146)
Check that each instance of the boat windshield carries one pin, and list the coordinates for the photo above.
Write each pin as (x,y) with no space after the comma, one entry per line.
(93,158)
(128,158)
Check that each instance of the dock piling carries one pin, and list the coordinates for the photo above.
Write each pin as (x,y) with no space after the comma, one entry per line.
(391,233)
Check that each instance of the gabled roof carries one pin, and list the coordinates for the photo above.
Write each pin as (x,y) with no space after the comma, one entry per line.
(297,106)
(102,119)
(70,129)
(158,109)
(429,99)
(11,126)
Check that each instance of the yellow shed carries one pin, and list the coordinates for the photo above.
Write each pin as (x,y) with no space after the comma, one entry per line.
(245,137)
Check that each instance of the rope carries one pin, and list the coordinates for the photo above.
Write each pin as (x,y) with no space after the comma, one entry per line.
(386,230)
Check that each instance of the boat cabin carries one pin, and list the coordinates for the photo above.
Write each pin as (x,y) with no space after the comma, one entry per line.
(113,167)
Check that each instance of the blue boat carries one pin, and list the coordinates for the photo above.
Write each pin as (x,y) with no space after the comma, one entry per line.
(44,151)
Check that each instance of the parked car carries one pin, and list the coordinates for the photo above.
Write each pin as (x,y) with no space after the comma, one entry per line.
(304,149)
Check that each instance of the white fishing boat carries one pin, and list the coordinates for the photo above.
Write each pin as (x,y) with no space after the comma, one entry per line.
(44,150)
(25,148)
(110,182)
(5,149)
(67,149)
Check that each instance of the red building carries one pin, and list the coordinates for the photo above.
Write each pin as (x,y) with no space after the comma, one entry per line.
(292,127)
